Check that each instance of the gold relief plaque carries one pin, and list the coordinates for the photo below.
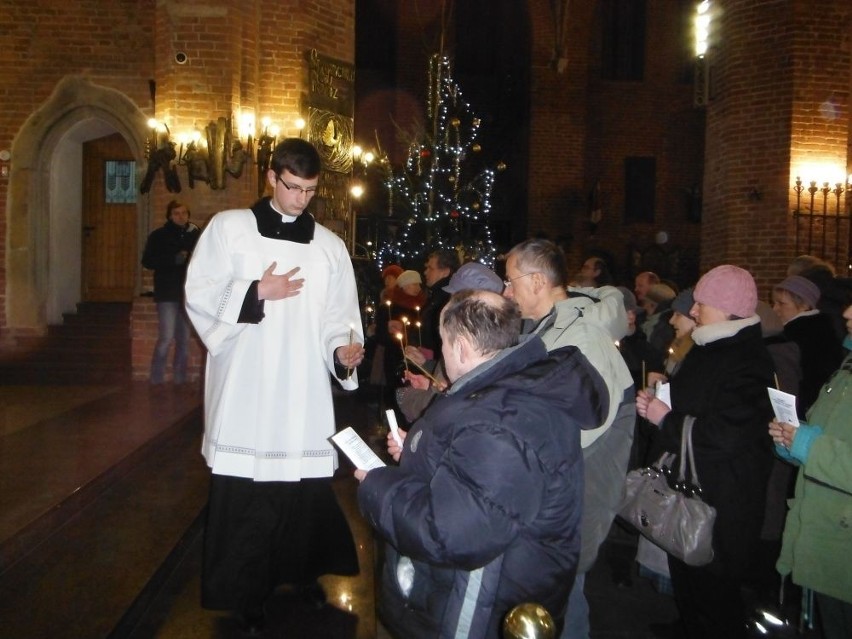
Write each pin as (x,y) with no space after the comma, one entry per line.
(331,133)
(330,109)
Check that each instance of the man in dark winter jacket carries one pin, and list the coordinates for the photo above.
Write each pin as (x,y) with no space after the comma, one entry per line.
(167,253)
(483,511)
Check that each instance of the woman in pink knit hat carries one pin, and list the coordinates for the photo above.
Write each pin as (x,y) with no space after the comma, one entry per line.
(723,385)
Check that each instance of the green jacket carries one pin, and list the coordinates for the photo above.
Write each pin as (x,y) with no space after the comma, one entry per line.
(817,546)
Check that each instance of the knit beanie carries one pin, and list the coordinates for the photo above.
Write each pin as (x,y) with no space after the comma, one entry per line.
(684,302)
(801,287)
(629,299)
(475,276)
(408,277)
(730,289)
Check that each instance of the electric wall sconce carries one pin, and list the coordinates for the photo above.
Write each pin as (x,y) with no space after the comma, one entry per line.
(161,156)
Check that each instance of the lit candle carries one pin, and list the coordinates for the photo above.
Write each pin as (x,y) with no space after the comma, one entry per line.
(405,322)
(351,341)
(402,347)
(419,335)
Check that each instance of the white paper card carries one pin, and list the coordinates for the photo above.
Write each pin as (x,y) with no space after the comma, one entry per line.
(356,449)
(394,426)
(784,405)
(663,392)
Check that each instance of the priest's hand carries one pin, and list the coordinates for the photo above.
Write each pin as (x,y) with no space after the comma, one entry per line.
(360,475)
(350,355)
(278,287)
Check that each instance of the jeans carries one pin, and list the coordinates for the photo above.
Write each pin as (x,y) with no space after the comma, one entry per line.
(577,614)
(173,325)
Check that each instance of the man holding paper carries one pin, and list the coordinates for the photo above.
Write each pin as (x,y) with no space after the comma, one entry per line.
(483,511)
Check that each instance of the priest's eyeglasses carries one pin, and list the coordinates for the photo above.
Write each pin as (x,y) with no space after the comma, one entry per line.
(311,190)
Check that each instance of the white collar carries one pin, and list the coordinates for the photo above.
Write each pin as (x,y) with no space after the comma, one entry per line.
(712,332)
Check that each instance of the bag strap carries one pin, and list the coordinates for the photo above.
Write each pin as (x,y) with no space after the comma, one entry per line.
(686,453)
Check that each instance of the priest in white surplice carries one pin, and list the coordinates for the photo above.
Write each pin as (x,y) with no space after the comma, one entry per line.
(272,295)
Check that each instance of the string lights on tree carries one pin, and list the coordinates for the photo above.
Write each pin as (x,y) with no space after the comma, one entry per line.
(442,194)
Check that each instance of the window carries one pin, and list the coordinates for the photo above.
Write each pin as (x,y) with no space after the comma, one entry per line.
(120,186)
(640,183)
(623,41)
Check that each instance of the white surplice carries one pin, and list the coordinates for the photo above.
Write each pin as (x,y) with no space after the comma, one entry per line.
(268,401)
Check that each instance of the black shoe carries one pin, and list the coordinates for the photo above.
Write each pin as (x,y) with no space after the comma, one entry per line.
(312,594)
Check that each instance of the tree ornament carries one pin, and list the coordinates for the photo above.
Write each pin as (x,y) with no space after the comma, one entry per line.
(425,153)
(476,148)
(501,166)
(475,206)
(476,122)
(455,122)
(454,214)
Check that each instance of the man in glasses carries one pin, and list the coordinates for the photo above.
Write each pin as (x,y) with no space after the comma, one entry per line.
(272,295)
(592,319)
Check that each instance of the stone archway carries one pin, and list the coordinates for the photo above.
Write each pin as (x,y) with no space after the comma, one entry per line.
(38,152)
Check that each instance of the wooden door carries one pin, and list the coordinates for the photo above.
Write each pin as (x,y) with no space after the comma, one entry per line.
(109,227)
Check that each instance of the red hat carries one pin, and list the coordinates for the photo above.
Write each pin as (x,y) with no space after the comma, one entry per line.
(392,270)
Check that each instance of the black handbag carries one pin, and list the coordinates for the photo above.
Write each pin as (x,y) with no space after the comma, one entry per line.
(673,516)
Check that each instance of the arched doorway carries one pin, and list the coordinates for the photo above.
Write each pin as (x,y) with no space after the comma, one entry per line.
(44,260)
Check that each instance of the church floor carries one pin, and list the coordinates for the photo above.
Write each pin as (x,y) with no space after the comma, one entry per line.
(102,494)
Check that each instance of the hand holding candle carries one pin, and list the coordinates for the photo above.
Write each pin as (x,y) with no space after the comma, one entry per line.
(402,347)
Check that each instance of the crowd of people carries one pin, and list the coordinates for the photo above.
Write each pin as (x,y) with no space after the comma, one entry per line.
(526,397)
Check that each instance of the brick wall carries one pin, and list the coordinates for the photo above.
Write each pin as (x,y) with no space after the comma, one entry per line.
(778,65)
(240,55)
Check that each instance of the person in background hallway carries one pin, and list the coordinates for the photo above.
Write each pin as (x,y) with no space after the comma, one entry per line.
(167,253)
(483,511)
(592,319)
(818,531)
(272,295)
(722,382)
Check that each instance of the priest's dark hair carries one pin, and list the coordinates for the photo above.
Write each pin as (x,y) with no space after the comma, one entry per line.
(298,156)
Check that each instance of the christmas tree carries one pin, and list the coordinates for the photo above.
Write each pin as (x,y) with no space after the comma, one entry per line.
(442,195)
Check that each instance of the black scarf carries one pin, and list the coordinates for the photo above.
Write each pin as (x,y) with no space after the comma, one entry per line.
(270,224)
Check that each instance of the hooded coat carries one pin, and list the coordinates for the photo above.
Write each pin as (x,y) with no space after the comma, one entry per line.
(483,512)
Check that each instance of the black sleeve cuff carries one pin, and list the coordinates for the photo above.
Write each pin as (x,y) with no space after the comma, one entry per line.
(340,370)
(252,309)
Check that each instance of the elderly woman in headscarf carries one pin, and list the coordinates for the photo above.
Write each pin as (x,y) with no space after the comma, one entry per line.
(722,384)
(795,301)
